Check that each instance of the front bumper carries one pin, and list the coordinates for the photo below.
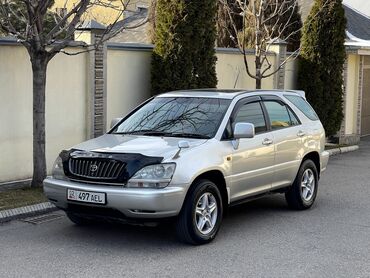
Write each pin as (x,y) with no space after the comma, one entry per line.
(131,202)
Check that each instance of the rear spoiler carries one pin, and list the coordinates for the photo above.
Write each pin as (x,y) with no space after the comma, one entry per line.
(301,93)
(298,92)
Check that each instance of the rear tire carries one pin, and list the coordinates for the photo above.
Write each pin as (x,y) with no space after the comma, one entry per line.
(79,220)
(201,215)
(302,194)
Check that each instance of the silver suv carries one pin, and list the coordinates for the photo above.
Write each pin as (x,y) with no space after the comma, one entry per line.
(188,155)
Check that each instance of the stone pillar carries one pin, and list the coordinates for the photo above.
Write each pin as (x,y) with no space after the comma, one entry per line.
(279,48)
(352,101)
(90,33)
(342,132)
(359,96)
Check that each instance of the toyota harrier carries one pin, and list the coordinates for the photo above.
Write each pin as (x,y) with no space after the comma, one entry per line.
(188,155)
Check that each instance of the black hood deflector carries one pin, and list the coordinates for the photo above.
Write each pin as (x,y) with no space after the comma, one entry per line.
(133,162)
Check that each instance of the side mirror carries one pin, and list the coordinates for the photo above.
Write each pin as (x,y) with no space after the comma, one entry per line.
(183,144)
(244,130)
(114,122)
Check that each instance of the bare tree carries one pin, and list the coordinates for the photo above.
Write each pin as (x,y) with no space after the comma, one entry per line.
(264,22)
(225,30)
(152,20)
(42,44)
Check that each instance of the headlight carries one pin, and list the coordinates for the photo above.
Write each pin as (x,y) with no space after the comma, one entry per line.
(58,172)
(153,176)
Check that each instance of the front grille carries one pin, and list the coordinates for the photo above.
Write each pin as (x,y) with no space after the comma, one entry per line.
(96,168)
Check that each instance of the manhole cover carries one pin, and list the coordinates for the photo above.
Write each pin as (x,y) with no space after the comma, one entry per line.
(42,218)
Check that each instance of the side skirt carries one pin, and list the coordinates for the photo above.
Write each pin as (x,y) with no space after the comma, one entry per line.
(258,196)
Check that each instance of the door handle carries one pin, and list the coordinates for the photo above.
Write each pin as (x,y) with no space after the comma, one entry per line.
(301,133)
(267,142)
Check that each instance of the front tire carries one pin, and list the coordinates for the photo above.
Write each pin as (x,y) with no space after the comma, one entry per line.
(201,215)
(302,194)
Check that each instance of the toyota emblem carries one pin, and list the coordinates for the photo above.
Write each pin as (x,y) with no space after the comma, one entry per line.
(93,168)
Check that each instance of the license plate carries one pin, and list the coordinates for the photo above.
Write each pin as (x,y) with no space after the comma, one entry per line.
(86,196)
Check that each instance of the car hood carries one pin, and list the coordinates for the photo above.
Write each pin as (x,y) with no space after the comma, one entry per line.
(165,147)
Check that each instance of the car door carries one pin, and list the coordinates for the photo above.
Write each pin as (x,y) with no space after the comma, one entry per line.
(253,159)
(289,139)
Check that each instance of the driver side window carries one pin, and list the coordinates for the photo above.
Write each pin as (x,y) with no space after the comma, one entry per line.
(251,113)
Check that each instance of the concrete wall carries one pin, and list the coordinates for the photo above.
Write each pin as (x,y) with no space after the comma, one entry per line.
(69,89)
(128,79)
(231,72)
(65,109)
(291,75)
(351,95)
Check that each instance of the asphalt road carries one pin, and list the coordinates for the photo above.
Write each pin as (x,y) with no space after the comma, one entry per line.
(258,239)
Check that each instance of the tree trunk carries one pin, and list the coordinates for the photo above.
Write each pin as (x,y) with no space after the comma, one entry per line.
(258,72)
(258,83)
(39,66)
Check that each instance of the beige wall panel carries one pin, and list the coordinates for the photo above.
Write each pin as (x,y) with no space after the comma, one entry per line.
(231,72)
(351,94)
(65,109)
(291,73)
(128,81)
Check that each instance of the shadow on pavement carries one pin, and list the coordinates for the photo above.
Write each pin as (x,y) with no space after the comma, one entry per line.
(124,236)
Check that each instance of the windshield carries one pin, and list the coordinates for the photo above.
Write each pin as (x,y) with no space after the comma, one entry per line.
(177,117)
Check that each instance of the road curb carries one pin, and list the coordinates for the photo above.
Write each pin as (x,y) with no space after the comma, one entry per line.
(343,150)
(16,213)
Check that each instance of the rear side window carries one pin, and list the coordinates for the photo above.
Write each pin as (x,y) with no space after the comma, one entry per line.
(304,106)
(252,113)
(280,116)
(293,117)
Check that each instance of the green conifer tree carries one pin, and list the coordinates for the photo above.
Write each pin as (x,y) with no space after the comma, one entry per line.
(321,62)
(184,52)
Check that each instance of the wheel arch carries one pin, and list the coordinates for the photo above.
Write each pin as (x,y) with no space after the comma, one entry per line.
(315,157)
(217,177)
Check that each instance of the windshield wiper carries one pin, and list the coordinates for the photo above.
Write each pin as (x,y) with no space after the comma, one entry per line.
(189,135)
(153,133)
(166,134)
(142,132)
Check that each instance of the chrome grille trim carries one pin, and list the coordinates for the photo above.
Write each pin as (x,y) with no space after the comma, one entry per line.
(105,169)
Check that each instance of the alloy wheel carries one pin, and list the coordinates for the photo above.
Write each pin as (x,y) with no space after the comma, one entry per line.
(308,185)
(206,213)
